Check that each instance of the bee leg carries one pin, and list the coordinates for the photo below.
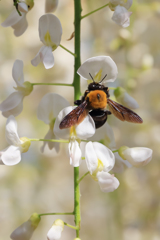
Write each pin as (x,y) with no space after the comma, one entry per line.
(99,116)
(77,102)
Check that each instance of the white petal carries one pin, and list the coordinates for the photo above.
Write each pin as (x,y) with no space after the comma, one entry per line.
(86,128)
(35,61)
(44,55)
(105,134)
(74,153)
(62,133)
(51,5)
(138,156)
(95,64)
(15,111)
(21,26)
(17,72)
(54,233)
(91,157)
(127,4)
(12,19)
(22,7)
(11,132)
(51,145)
(50,106)
(121,16)
(49,23)
(107,182)
(23,232)
(105,155)
(11,156)
(11,102)
(120,164)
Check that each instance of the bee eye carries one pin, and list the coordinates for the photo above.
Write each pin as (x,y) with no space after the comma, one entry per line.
(98,96)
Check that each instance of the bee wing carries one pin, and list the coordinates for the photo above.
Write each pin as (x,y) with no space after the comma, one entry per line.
(75,116)
(123,113)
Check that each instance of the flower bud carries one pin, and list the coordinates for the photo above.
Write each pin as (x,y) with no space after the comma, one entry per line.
(25,231)
(30,4)
(55,231)
(124,98)
(25,144)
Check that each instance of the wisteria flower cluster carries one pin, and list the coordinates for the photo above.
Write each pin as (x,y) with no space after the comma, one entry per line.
(86,141)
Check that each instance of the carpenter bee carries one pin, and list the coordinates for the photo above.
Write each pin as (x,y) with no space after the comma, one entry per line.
(94,102)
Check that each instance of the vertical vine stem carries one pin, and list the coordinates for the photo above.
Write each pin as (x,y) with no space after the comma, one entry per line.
(77,93)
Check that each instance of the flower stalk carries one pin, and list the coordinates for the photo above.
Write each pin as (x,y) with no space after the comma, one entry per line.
(96,10)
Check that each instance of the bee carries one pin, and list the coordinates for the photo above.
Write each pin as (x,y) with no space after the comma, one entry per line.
(94,102)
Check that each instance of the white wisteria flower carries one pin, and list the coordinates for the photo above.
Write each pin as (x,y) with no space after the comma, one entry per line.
(13,105)
(51,5)
(137,156)
(98,68)
(25,231)
(100,160)
(50,32)
(124,98)
(56,230)
(121,15)
(105,135)
(12,154)
(17,22)
(83,130)
(49,107)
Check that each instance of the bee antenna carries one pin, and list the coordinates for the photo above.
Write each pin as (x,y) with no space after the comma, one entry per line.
(91,77)
(103,78)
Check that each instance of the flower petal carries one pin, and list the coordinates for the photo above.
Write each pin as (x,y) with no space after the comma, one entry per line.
(86,128)
(138,156)
(50,106)
(17,72)
(51,145)
(23,232)
(91,157)
(51,5)
(44,55)
(105,155)
(11,132)
(121,16)
(15,111)
(21,26)
(11,102)
(11,156)
(101,64)
(54,233)
(74,153)
(107,182)
(12,19)
(22,7)
(50,24)
(62,133)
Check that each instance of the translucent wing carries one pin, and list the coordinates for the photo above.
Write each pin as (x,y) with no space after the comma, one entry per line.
(123,113)
(75,116)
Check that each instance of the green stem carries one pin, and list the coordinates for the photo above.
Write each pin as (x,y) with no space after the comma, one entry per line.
(77,93)
(83,177)
(46,214)
(48,140)
(54,84)
(67,50)
(115,151)
(71,226)
(96,10)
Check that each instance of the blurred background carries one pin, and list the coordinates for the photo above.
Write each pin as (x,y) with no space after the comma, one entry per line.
(44,182)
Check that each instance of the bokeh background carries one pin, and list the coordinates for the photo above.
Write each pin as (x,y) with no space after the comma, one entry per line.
(44,182)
